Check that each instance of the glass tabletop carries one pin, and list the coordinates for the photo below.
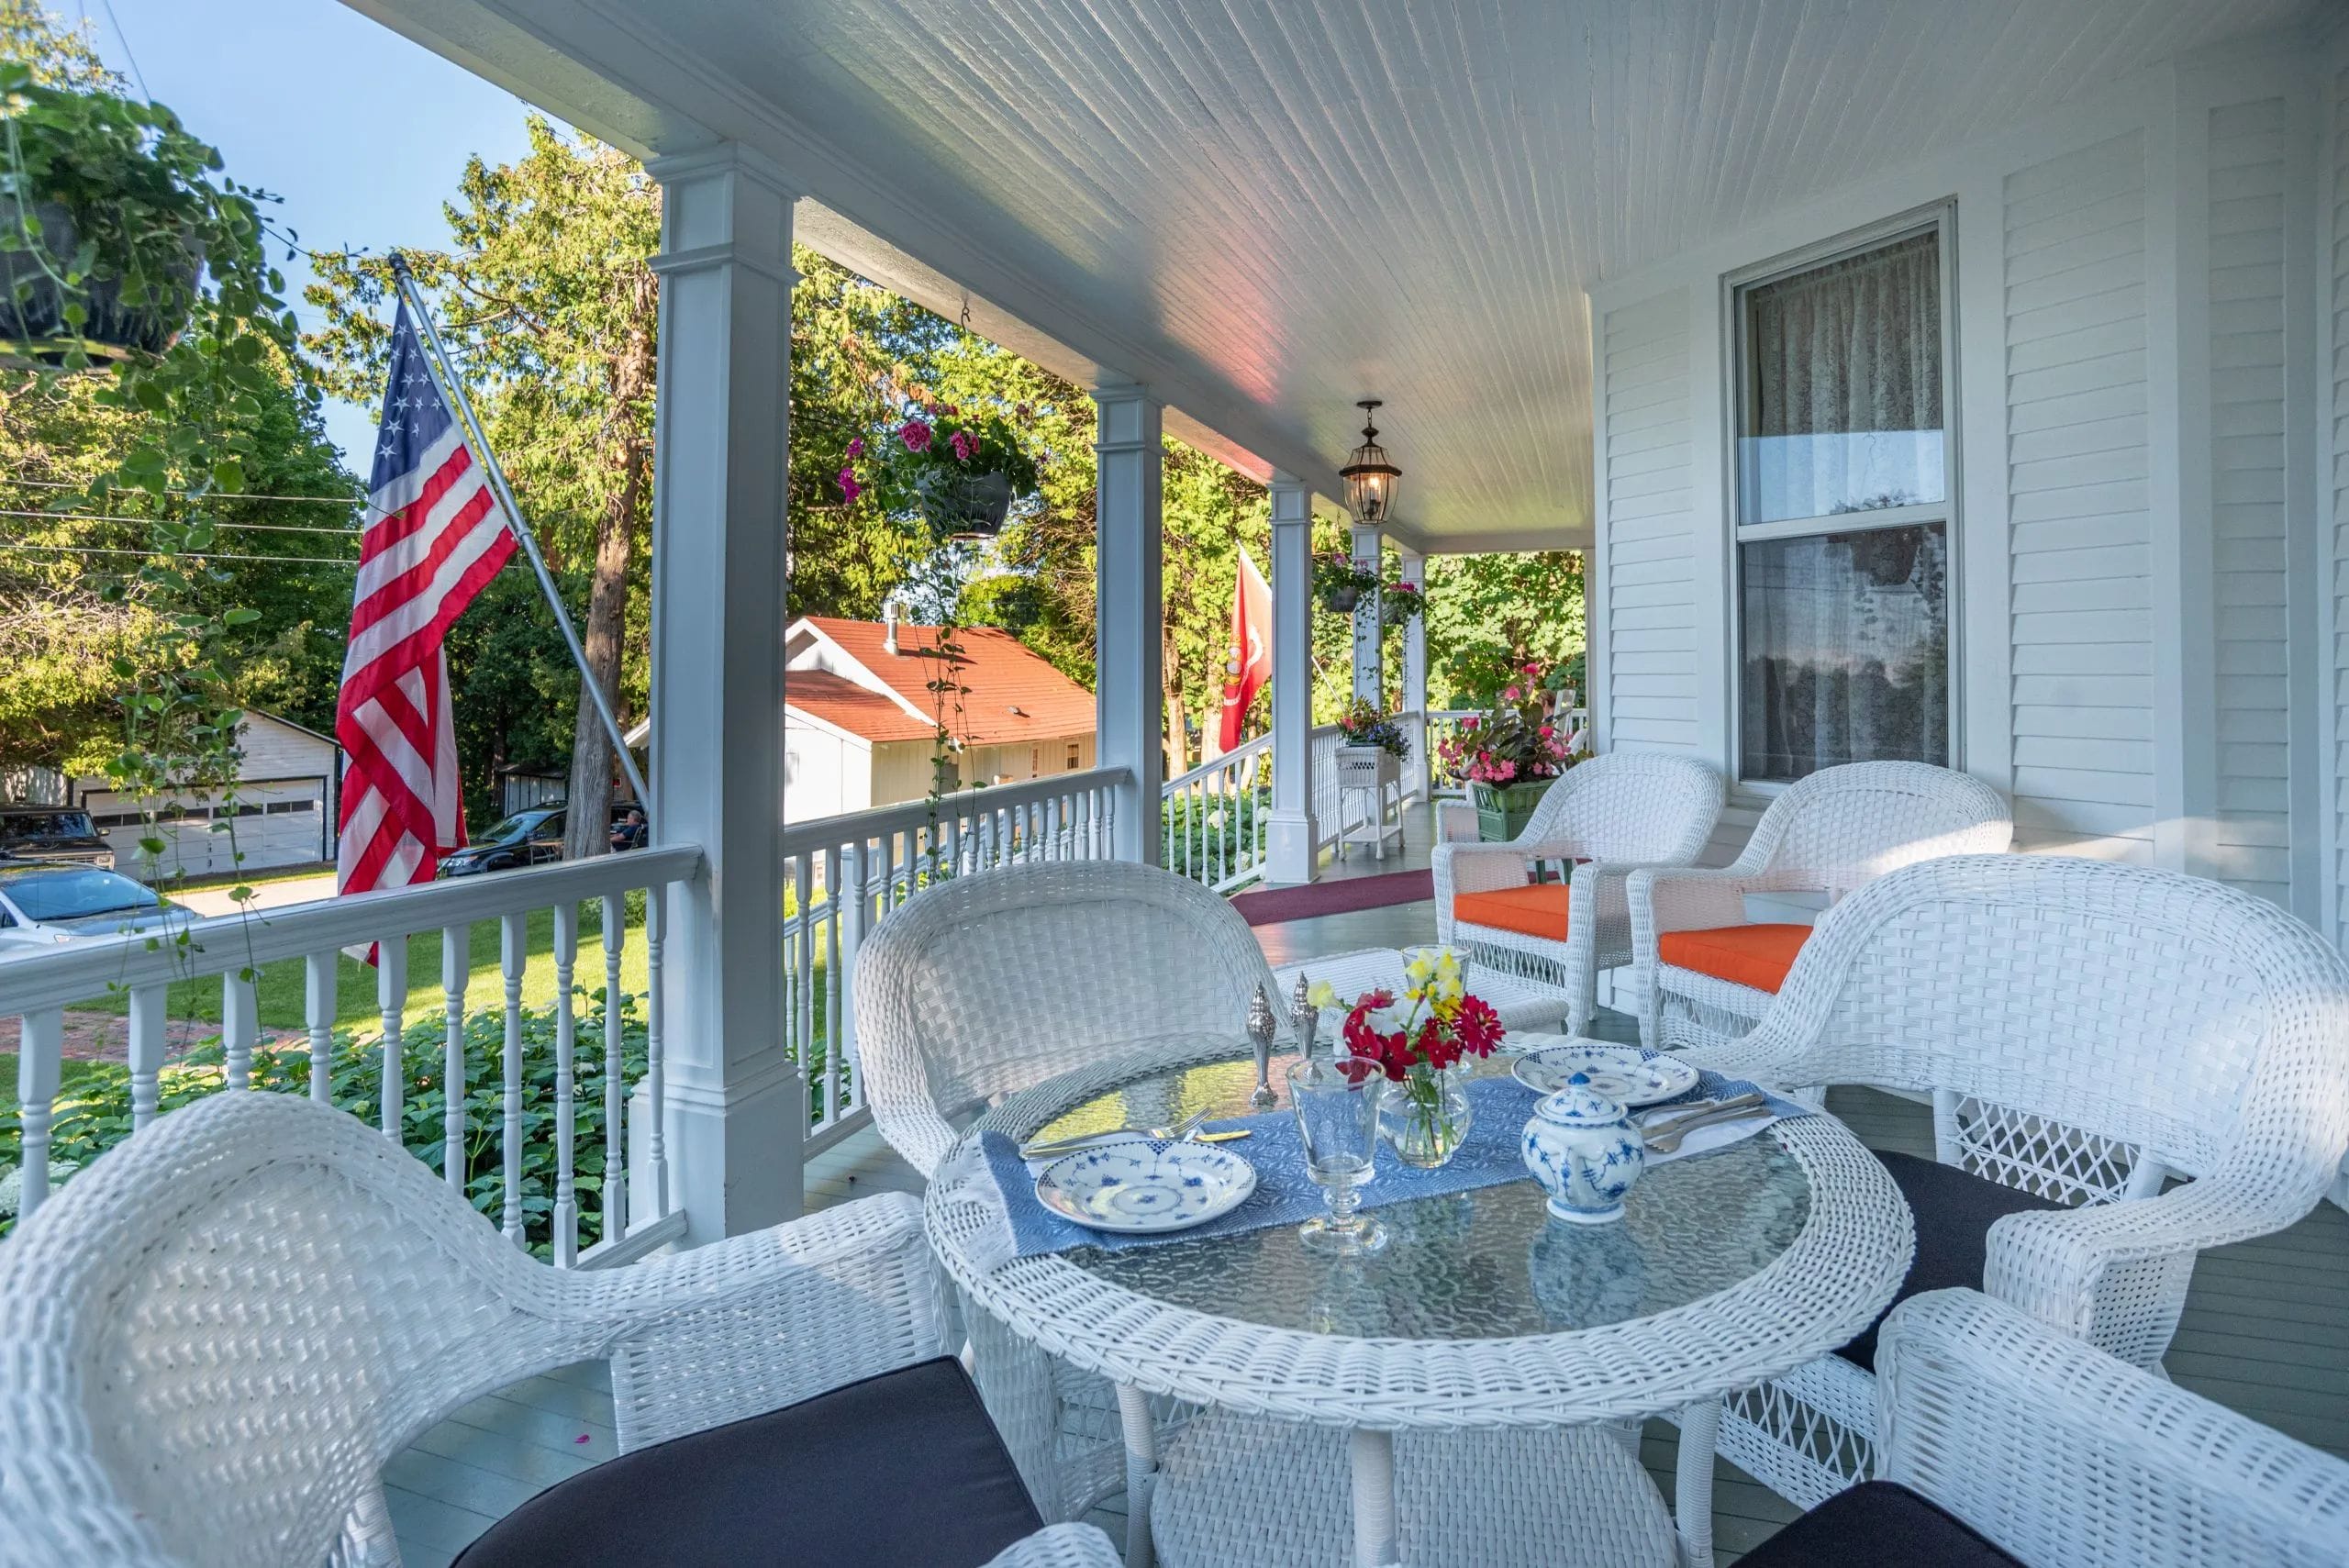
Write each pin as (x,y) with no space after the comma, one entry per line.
(1479,1264)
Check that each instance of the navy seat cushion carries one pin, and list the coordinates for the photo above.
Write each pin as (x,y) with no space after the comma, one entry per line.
(900,1469)
(1954,1209)
(1875,1525)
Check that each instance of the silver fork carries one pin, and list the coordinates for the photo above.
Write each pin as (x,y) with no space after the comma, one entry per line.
(1174,1134)
(1668,1139)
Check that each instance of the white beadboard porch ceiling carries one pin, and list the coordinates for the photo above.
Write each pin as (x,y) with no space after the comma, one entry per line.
(1267,209)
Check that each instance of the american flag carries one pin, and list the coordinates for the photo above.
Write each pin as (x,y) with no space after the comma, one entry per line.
(435,535)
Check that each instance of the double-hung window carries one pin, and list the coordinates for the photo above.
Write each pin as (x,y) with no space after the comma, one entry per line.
(1846,464)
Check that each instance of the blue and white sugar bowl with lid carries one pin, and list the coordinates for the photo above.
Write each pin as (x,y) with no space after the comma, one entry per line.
(1584,1149)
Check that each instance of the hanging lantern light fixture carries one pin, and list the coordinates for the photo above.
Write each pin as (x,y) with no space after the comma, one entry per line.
(1370,478)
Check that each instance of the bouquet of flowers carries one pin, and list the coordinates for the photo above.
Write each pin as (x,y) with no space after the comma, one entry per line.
(1413,1041)
(1516,740)
(1363,725)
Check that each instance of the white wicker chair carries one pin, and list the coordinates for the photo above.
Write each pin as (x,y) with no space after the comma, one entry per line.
(1617,812)
(213,1338)
(1830,832)
(994,982)
(2088,1032)
(2061,1455)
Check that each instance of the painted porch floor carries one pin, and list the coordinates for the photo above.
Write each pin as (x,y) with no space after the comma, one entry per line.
(2265,1331)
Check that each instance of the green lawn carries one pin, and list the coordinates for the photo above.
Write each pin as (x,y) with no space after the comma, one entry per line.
(279,989)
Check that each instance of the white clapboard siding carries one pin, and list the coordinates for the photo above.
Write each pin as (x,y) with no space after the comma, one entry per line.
(2253,820)
(2336,232)
(1650,583)
(2080,616)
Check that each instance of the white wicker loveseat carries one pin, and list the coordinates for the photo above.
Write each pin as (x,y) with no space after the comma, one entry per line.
(991,983)
(2088,1033)
(1703,973)
(2003,1435)
(213,1338)
(1616,812)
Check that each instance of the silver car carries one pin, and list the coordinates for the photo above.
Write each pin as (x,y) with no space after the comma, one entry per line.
(41,904)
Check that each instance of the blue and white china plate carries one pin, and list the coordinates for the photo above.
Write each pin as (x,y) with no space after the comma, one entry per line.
(1145,1185)
(1624,1073)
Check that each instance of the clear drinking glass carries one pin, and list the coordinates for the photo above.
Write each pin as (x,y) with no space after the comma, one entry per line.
(1337,1117)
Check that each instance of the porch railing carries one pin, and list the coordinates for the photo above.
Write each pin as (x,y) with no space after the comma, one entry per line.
(135,984)
(841,874)
(1218,815)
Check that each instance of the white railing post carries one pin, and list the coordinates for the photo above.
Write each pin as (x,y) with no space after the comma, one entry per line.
(1292,844)
(733,1110)
(566,1086)
(456,962)
(616,1216)
(150,1024)
(40,1045)
(513,951)
(318,1001)
(1130,602)
(1417,775)
(391,1007)
(239,1029)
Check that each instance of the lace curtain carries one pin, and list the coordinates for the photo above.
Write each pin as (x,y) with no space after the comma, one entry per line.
(1845,633)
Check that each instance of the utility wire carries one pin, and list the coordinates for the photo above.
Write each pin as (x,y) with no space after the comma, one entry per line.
(208,495)
(198,554)
(133,518)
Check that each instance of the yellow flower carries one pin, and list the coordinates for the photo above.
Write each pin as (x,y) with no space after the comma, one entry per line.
(1321,993)
(1417,970)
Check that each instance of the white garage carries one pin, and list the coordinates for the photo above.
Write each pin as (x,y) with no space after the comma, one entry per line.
(283,815)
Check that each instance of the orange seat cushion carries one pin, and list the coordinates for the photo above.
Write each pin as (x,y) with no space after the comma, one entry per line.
(1756,956)
(1538,909)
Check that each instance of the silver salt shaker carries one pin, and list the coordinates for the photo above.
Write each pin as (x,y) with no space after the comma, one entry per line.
(1261,1029)
(1304,1017)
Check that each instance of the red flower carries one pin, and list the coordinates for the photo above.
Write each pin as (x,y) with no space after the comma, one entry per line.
(1479,1026)
(964,444)
(849,488)
(916,435)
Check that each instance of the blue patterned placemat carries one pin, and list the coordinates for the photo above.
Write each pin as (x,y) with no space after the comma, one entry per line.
(1285,1194)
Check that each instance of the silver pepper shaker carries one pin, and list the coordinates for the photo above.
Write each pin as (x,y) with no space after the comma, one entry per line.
(1261,1029)
(1304,1017)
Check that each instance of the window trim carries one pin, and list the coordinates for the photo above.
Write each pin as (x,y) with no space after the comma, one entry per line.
(1939,217)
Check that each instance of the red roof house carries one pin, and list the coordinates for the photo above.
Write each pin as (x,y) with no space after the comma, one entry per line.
(860,719)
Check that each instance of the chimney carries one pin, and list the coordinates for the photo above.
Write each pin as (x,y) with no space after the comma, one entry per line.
(889,622)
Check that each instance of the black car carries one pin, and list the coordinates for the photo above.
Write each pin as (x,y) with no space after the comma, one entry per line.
(52,833)
(528,838)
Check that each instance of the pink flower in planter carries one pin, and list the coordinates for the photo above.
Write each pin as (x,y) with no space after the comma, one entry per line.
(916,435)
(1547,732)
(856,446)
(849,488)
(1511,695)
(964,444)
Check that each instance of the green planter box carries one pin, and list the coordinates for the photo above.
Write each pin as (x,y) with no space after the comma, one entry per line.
(1503,810)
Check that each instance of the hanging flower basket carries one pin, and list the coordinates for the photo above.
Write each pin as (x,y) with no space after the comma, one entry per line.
(956,473)
(980,503)
(35,301)
(1339,582)
(1398,605)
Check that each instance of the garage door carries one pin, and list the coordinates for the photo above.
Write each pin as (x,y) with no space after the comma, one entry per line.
(279,822)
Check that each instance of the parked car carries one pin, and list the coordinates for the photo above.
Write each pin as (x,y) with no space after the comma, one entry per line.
(52,833)
(528,838)
(43,903)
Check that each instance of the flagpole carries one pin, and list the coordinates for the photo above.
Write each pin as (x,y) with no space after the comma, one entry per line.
(455,385)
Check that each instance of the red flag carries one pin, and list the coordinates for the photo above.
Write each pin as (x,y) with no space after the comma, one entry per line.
(1248,664)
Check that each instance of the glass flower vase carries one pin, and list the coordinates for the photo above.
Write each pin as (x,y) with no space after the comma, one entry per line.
(1425,1117)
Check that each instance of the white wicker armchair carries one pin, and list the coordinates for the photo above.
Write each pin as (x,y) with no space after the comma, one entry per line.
(994,982)
(216,1337)
(1617,812)
(2089,1032)
(1831,832)
(2061,1454)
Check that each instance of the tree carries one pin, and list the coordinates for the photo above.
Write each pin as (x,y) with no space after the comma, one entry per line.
(1489,616)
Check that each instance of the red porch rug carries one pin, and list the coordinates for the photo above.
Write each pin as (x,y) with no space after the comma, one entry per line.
(1270,905)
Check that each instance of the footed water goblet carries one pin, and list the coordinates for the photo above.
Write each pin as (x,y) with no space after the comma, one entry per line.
(1336,1105)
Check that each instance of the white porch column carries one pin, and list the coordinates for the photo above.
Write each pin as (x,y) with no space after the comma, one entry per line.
(1414,571)
(737,1106)
(1369,684)
(1289,829)
(1129,700)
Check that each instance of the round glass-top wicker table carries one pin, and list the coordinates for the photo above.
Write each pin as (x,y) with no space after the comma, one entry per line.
(1504,1356)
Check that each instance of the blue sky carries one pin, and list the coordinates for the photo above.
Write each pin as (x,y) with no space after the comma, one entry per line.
(359,130)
